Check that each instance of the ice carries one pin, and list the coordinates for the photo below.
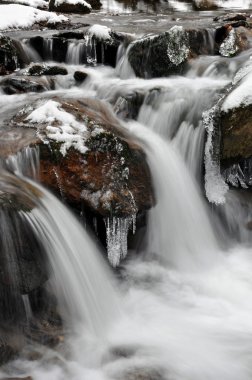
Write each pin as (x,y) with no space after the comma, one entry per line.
(215,186)
(178,46)
(117,237)
(229,46)
(27,16)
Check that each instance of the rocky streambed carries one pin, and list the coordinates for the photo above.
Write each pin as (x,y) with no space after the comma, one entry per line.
(73,93)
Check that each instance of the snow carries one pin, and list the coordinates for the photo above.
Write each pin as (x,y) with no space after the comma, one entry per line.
(101,32)
(62,126)
(15,16)
(32,3)
(241,95)
(74,2)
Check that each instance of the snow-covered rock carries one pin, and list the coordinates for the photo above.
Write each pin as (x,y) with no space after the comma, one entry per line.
(70,6)
(85,155)
(15,16)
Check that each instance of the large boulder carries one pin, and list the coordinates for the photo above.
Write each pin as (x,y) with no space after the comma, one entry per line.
(85,155)
(169,52)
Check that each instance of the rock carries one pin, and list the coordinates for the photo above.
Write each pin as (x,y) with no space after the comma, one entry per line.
(104,169)
(23,263)
(80,76)
(19,85)
(128,106)
(233,131)
(10,56)
(204,5)
(18,378)
(65,6)
(142,374)
(232,17)
(39,70)
(169,52)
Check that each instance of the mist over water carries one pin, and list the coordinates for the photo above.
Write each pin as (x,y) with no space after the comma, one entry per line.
(180,306)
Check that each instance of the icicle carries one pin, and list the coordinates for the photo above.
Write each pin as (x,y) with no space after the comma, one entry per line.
(215,186)
(117,237)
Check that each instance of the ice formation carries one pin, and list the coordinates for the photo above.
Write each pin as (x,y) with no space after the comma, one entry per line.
(117,237)
(229,46)
(215,186)
(177,45)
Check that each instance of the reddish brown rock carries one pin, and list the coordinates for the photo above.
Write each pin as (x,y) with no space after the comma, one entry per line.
(111,178)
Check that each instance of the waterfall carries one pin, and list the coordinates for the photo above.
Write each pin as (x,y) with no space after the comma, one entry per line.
(80,276)
(83,281)
(186,242)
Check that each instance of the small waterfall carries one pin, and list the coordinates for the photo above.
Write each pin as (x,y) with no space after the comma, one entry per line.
(48,49)
(79,52)
(80,277)
(185,242)
(176,112)
(82,280)
(24,163)
(31,54)
(123,67)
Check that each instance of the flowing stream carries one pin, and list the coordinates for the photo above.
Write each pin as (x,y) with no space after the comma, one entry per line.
(181,306)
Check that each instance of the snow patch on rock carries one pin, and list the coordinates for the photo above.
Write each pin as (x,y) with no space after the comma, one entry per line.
(73,2)
(101,32)
(241,95)
(62,126)
(15,16)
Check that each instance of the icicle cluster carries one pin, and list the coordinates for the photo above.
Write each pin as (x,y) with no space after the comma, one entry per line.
(117,235)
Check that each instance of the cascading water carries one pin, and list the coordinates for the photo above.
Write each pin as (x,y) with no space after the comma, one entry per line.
(87,296)
(187,296)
